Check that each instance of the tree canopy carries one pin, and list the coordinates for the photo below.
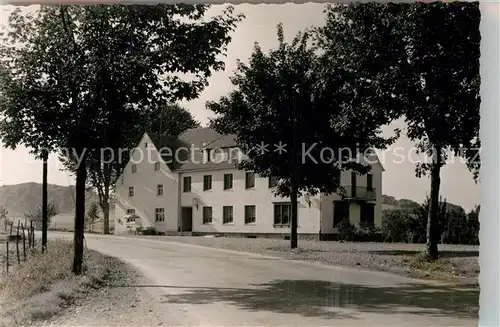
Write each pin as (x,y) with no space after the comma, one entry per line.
(420,62)
(171,119)
(288,85)
(74,78)
(294,114)
(95,64)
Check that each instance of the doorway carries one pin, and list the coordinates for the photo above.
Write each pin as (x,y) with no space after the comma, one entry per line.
(187,219)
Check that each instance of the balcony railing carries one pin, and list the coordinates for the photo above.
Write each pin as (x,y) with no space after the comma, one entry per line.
(360,193)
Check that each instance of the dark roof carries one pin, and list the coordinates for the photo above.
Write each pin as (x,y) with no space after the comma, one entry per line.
(197,139)
(208,138)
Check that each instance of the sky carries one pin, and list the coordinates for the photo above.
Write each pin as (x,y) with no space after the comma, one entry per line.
(457,185)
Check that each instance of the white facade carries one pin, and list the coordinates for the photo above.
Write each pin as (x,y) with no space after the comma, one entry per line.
(144,181)
(238,197)
(187,208)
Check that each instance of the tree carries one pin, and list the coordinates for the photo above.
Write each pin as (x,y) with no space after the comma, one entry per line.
(292,115)
(4,213)
(74,77)
(397,225)
(171,119)
(421,62)
(92,216)
(473,225)
(38,214)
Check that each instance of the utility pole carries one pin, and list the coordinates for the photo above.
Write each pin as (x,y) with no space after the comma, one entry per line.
(45,156)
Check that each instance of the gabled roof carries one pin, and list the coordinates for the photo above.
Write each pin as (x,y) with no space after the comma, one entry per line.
(199,139)
(193,141)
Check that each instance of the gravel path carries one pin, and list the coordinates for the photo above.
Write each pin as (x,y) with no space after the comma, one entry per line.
(119,303)
(374,256)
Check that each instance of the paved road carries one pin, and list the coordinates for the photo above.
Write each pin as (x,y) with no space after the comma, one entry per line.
(197,286)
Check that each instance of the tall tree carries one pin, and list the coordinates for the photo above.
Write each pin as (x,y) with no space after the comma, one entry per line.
(292,114)
(421,62)
(73,76)
(172,119)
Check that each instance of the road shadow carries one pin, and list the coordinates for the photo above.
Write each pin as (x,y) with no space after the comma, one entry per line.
(317,298)
(442,254)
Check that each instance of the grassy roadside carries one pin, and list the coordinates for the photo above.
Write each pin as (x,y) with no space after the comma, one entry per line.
(442,269)
(44,284)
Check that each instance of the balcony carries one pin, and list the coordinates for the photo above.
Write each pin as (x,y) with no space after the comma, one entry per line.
(361,193)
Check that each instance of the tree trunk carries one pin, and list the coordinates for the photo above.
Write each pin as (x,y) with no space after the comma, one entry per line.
(293,220)
(81,177)
(105,214)
(45,218)
(432,217)
(294,184)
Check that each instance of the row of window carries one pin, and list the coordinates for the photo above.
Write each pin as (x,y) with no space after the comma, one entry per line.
(207,183)
(159,190)
(228,182)
(210,155)
(227,215)
(133,167)
(341,212)
(159,214)
(250,181)
(282,213)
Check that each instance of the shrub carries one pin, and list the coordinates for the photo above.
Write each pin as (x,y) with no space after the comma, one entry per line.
(367,232)
(409,225)
(396,225)
(346,230)
(473,226)
(148,231)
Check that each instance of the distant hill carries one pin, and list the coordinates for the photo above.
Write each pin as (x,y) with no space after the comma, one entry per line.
(23,198)
(390,202)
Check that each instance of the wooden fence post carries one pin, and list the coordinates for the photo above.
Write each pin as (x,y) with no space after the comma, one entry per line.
(24,242)
(11,226)
(7,256)
(32,234)
(17,243)
(29,237)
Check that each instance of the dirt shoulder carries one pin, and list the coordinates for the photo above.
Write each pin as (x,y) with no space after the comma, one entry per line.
(458,264)
(42,292)
(118,303)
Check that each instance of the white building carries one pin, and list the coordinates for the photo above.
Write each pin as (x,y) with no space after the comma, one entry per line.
(208,195)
